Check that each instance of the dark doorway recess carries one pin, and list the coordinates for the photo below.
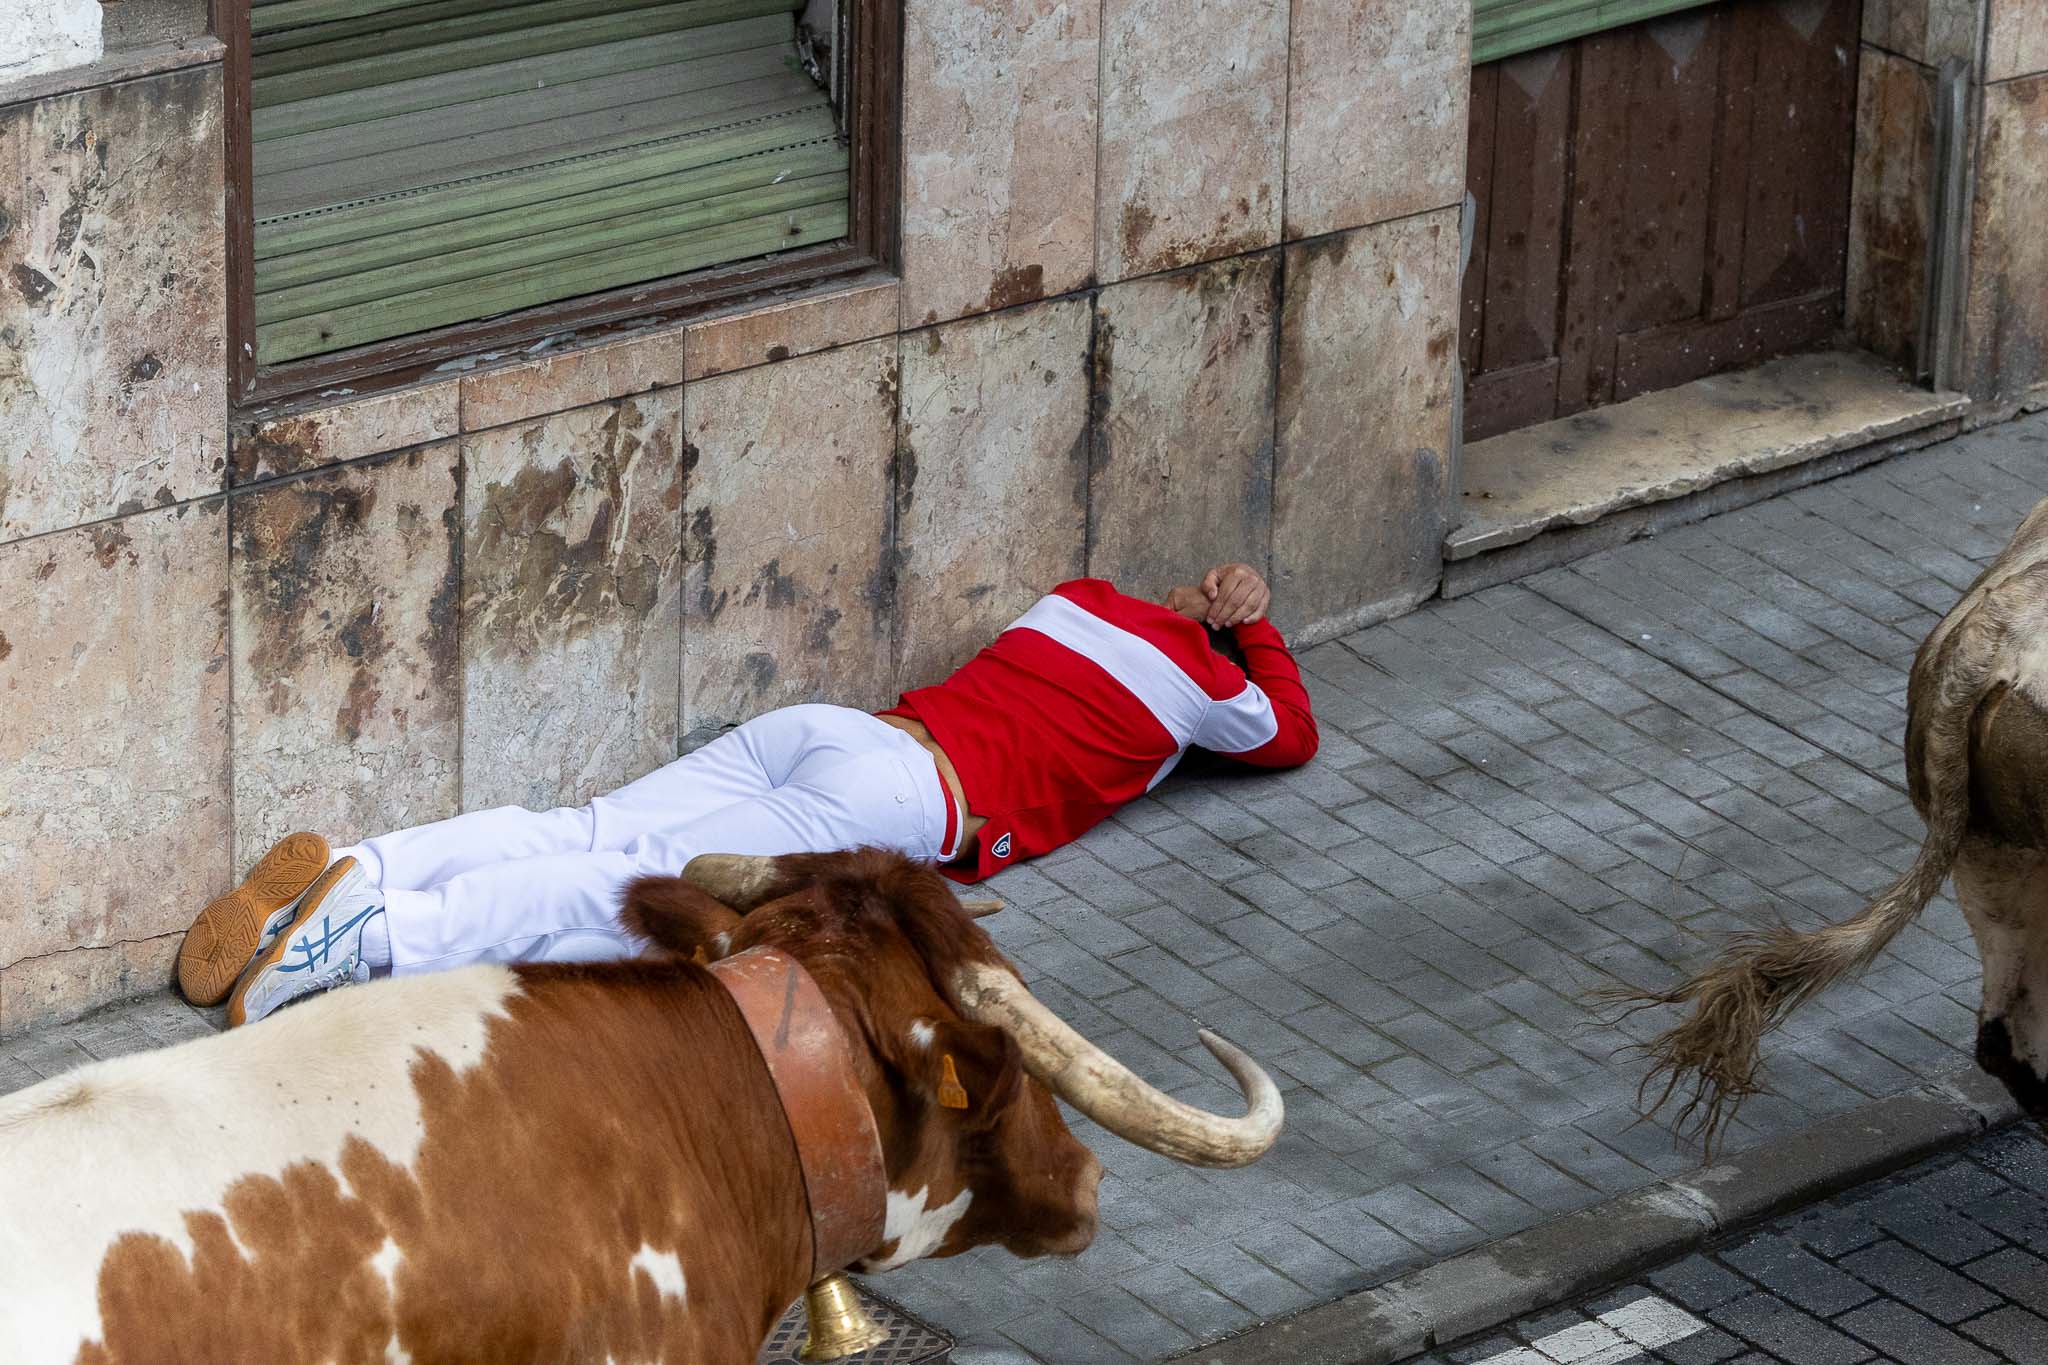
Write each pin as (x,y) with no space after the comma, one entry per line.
(1656,203)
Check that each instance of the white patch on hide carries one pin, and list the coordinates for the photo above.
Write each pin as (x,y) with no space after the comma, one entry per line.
(665,1268)
(721,944)
(134,1144)
(385,1263)
(922,1033)
(916,1229)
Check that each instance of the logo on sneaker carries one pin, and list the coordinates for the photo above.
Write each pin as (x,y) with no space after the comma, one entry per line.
(310,954)
(1002,848)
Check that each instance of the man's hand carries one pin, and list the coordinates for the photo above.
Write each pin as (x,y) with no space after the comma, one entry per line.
(1235,594)
(1189,601)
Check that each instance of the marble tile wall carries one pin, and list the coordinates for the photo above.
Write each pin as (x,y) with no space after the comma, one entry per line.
(991,486)
(1891,203)
(114,746)
(343,592)
(2016,41)
(1182,475)
(785,525)
(1362,451)
(571,584)
(1194,110)
(113,384)
(2006,311)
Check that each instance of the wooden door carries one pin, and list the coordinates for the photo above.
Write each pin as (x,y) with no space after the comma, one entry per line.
(1656,203)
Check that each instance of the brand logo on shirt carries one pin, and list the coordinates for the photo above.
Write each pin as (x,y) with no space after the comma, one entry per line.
(1002,847)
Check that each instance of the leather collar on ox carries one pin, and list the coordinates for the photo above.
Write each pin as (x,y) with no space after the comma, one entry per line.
(561,1162)
(1977,770)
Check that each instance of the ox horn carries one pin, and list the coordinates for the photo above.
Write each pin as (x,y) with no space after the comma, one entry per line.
(1107,1091)
(738,880)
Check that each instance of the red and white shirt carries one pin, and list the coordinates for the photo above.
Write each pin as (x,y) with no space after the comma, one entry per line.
(1089,699)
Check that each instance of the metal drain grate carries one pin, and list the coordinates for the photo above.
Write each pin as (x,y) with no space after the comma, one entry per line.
(910,1342)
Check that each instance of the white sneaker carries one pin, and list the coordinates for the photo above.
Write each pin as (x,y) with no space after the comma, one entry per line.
(234,928)
(321,948)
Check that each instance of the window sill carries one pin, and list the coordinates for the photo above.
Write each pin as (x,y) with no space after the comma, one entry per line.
(485,390)
(115,67)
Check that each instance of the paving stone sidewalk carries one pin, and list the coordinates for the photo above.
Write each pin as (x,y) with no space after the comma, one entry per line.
(1936,1266)
(1583,778)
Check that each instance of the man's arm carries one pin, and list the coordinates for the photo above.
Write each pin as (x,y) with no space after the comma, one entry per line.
(1235,597)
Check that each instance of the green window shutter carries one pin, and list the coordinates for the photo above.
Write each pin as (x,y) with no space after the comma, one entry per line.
(422,163)
(1502,28)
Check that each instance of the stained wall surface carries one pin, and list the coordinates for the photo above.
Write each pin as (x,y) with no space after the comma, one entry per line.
(1183,288)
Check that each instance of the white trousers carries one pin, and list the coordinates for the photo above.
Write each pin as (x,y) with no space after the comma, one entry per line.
(515,885)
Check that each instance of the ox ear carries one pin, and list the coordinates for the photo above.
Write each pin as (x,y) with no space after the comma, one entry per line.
(678,917)
(972,1070)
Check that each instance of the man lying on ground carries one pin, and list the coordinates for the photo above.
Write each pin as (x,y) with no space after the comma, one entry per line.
(1084,702)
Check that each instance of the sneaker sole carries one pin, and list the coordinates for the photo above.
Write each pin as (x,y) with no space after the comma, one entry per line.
(230,930)
(309,906)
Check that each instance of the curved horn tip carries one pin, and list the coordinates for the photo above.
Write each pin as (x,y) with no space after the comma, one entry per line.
(981,909)
(1265,1111)
(1110,1093)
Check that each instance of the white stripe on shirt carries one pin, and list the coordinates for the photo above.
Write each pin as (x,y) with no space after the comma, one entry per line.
(1244,722)
(1180,704)
(1175,700)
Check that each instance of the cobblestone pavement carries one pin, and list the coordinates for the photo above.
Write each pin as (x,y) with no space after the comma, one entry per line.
(1585,777)
(1933,1267)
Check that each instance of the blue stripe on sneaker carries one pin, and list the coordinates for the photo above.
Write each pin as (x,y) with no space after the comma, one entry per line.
(313,955)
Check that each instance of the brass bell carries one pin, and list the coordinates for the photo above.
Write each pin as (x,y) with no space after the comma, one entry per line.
(839,1326)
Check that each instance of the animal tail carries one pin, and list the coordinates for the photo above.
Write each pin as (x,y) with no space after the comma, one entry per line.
(1711,1057)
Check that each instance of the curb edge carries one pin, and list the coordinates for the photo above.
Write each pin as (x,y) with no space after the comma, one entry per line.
(1594,1247)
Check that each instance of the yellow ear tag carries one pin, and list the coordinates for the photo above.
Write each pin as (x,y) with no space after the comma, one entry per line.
(699,958)
(952,1095)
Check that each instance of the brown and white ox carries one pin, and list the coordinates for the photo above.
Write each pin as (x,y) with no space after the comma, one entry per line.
(560,1162)
(1977,769)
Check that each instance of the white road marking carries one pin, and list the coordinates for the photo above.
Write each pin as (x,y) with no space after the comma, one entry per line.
(1622,1334)
(1653,1322)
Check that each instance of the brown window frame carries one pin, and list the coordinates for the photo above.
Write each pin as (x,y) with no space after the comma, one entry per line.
(874,107)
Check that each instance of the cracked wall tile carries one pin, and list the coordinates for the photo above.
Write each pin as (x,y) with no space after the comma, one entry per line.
(61,986)
(1363,415)
(113,363)
(113,740)
(836,316)
(571,378)
(571,611)
(375,425)
(785,530)
(1193,112)
(346,693)
(1183,462)
(991,490)
(998,153)
(1376,110)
